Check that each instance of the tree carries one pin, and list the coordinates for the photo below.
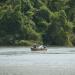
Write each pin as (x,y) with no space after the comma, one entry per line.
(59,32)
(10,25)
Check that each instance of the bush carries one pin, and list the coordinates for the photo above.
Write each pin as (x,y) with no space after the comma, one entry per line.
(23,43)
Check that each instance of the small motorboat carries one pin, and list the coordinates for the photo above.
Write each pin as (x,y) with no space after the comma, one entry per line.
(40,48)
(37,49)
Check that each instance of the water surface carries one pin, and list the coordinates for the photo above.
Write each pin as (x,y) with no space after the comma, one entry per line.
(23,61)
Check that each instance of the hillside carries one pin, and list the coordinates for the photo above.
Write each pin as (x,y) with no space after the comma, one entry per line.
(49,22)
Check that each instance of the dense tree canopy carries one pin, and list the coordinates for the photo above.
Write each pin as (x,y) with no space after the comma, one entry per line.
(50,22)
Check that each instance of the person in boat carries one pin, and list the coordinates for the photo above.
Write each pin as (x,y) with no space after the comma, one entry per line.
(35,46)
(39,47)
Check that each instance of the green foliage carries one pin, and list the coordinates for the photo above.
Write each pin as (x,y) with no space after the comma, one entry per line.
(25,6)
(36,3)
(23,43)
(3,1)
(23,22)
(59,30)
(56,5)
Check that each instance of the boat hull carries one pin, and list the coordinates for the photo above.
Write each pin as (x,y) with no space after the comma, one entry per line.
(38,49)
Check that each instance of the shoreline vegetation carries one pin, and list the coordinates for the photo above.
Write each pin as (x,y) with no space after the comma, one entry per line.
(47,22)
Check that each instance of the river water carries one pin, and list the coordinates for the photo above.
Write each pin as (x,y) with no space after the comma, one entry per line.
(23,61)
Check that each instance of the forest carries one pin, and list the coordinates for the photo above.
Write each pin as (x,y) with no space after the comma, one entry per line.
(48,22)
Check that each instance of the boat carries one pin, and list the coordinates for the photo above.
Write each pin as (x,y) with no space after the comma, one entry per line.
(37,49)
(40,48)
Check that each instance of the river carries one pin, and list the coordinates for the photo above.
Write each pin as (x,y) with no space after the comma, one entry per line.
(23,61)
